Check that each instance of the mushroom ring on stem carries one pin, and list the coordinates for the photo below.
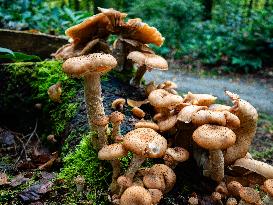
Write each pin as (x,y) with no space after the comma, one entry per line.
(214,138)
(91,67)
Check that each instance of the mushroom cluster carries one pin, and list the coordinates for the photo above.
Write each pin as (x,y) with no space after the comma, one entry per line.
(185,127)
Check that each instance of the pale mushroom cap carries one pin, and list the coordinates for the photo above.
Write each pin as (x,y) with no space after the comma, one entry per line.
(117,102)
(134,103)
(185,115)
(268,186)
(219,107)
(167,124)
(200,99)
(261,168)
(202,117)
(113,151)
(145,142)
(152,61)
(136,195)
(250,195)
(116,117)
(92,63)
(214,137)
(162,98)
(179,154)
(147,124)
(137,112)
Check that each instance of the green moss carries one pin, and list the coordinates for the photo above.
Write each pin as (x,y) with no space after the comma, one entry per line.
(84,161)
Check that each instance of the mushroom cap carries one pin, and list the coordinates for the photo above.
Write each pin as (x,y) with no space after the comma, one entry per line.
(231,201)
(152,181)
(115,17)
(137,30)
(200,99)
(145,142)
(113,151)
(134,103)
(250,195)
(253,165)
(92,63)
(116,117)
(202,117)
(216,196)
(117,102)
(101,120)
(156,195)
(185,115)
(97,26)
(219,107)
(136,195)
(147,124)
(268,186)
(179,154)
(137,112)
(124,181)
(167,124)
(151,61)
(162,98)
(214,137)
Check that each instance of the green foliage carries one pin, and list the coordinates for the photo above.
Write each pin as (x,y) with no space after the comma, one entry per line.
(172,18)
(84,161)
(16,56)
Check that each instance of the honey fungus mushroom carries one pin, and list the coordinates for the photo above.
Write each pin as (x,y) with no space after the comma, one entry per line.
(136,195)
(90,67)
(146,61)
(214,138)
(101,123)
(248,117)
(199,99)
(175,155)
(118,104)
(116,119)
(54,92)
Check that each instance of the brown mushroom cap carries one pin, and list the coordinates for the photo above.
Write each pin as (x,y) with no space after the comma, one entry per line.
(200,99)
(136,195)
(134,103)
(156,195)
(162,98)
(151,61)
(116,117)
(167,124)
(124,181)
(253,165)
(250,195)
(115,17)
(92,63)
(152,181)
(179,154)
(268,186)
(101,120)
(112,151)
(219,107)
(117,102)
(137,30)
(214,137)
(147,124)
(202,117)
(145,142)
(185,115)
(137,112)
(231,201)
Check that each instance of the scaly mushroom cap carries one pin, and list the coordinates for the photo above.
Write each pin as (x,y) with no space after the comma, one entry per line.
(250,195)
(178,154)
(214,137)
(113,151)
(219,107)
(167,124)
(151,61)
(116,117)
(147,124)
(199,99)
(268,186)
(208,117)
(124,181)
(92,63)
(145,142)
(137,30)
(118,103)
(253,165)
(101,120)
(97,26)
(136,195)
(115,17)
(163,99)
(156,195)
(152,181)
(185,115)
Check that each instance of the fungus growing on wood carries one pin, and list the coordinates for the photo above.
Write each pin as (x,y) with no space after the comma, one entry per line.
(248,117)
(136,195)
(214,138)
(54,92)
(118,104)
(175,155)
(185,115)
(90,67)
(199,99)
(146,61)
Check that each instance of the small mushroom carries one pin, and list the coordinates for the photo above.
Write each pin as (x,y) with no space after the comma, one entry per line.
(116,119)
(268,188)
(80,182)
(156,195)
(185,114)
(199,99)
(167,124)
(146,61)
(137,112)
(118,104)
(147,124)
(222,189)
(136,195)
(231,201)
(175,155)
(54,92)
(51,138)
(101,123)
(216,197)
(150,87)
(250,195)
(193,200)
(214,138)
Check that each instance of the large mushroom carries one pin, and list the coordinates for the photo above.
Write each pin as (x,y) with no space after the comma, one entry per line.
(146,61)
(214,138)
(91,67)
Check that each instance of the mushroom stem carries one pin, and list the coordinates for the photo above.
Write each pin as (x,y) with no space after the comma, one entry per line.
(216,165)
(93,99)
(114,187)
(138,76)
(134,166)
(102,137)
(116,129)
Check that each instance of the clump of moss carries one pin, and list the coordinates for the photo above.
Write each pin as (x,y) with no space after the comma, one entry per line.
(84,161)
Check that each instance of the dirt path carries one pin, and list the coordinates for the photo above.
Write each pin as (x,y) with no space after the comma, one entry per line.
(257,93)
